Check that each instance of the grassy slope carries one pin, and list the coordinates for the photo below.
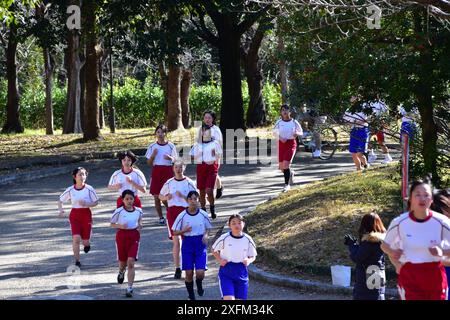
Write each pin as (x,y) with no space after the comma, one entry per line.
(303,229)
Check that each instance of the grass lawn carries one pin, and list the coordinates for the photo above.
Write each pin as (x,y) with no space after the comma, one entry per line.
(301,233)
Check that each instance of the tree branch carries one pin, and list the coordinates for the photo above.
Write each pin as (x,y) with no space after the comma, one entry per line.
(250,19)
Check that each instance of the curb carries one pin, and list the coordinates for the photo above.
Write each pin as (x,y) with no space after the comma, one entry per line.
(297,283)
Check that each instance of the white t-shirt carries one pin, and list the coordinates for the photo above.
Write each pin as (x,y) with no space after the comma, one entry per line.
(235,249)
(358,119)
(163,149)
(287,129)
(378,108)
(409,116)
(414,238)
(183,186)
(87,194)
(131,218)
(199,222)
(202,152)
(216,134)
(136,176)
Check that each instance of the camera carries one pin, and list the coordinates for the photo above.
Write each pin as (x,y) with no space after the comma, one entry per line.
(349,240)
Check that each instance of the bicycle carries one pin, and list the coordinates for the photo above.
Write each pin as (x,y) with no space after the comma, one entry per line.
(328,139)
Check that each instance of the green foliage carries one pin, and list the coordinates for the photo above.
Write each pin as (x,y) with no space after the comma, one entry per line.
(272,99)
(136,105)
(207,97)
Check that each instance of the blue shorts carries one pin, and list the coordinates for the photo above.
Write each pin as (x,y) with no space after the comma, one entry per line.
(193,253)
(233,280)
(409,128)
(359,140)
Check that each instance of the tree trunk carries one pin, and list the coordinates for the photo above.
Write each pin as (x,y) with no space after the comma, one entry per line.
(283,72)
(232,111)
(13,124)
(424,95)
(185,90)
(164,86)
(72,115)
(256,112)
(174,108)
(49,67)
(92,82)
(100,76)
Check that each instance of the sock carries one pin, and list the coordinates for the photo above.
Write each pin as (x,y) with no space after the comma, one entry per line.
(190,289)
(287,175)
(199,286)
(212,208)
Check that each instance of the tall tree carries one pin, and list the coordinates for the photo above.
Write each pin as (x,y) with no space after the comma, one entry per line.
(256,112)
(92,81)
(231,21)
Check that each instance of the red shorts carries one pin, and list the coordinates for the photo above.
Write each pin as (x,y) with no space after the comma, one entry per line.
(81,222)
(286,151)
(136,202)
(172,214)
(380,136)
(127,244)
(206,175)
(160,174)
(422,281)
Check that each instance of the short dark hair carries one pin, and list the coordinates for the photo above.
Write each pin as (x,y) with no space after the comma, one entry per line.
(192,193)
(128,154)
(75,171)
(285,106)
(162,127)
(236,215)
(127,191)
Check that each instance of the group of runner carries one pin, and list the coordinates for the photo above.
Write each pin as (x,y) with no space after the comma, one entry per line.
(188,222)
(417,242)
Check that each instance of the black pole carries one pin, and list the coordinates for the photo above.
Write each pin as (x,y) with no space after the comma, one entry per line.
(112,111)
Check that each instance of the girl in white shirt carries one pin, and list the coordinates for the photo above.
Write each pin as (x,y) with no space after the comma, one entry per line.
(416,242)
(234,250)
(206,155)
(286,130)
(127,219)
(160,156)
(128,178)
(83,197)
(193,224)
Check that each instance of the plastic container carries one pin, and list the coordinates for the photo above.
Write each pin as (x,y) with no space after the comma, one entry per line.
(341,275)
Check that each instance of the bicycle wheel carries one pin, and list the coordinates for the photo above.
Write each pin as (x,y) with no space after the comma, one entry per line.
(329,143)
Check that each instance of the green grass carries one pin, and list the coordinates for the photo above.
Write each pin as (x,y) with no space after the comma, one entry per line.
(302,231)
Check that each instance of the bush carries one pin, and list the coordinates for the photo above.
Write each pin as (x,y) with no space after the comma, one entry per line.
(207,97)
(136,105)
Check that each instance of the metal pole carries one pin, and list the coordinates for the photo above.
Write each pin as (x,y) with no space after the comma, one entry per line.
(405,169)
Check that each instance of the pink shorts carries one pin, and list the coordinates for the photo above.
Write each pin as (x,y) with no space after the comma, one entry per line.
(160,174)
(127,244)
(286,151)
(81,222)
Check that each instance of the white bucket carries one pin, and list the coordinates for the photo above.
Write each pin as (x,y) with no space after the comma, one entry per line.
(341,275)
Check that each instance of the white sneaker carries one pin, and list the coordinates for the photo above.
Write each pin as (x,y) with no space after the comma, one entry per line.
(317,153)
(372,157)
(387,159)
(286,188)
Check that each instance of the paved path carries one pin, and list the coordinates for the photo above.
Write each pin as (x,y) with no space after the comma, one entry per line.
(35,249)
